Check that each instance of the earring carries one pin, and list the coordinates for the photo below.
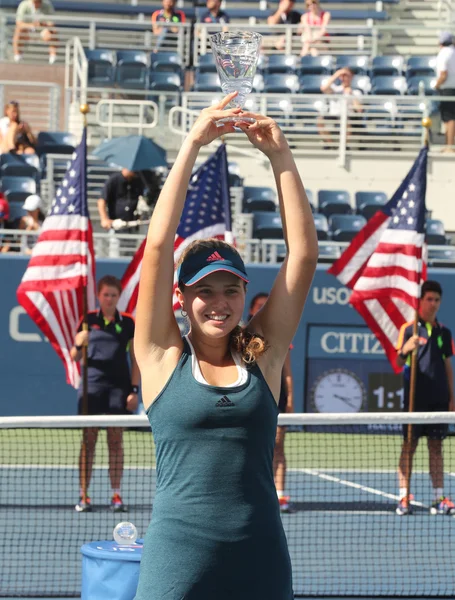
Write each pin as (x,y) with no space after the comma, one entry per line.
(183,312)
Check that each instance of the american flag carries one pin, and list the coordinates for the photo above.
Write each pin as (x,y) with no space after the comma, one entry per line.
(206,214)
(385,263)
(62,264)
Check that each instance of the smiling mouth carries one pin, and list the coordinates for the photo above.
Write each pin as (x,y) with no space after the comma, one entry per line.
(217,318)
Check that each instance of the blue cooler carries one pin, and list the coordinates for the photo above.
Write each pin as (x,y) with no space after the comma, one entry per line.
(110,571)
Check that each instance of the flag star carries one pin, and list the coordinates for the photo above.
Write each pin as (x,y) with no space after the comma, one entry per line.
(412,187)
(72,191)
(396,219)
(399,203)
(191,204)
(59,192)
(72,173)
(54,202)
(405,195)
(65,183)
(56,209)
(403,211)
(74,155)
(63,200)
(410,220)
(187,229)
(71,208)
(411,204)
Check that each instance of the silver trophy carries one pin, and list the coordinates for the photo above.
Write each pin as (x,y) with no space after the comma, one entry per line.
(236,56)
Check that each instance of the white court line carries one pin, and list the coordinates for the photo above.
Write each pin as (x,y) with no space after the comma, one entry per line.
(376,471)
(359,486)
(65,467)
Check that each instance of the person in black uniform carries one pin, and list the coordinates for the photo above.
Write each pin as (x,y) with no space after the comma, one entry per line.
(285,405)
(112,387)
(433,392)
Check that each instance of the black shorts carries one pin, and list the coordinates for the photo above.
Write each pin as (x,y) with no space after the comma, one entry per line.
(105,401)
(447,108)
(433,431)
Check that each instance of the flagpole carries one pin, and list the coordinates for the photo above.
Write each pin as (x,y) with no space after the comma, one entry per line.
(84,109)
(426,123)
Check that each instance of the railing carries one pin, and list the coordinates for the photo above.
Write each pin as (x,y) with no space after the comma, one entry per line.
(140,115)
(76,70)
(330,124)
(40,102)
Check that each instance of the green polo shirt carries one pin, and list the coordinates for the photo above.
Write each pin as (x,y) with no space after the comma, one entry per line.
(26,11)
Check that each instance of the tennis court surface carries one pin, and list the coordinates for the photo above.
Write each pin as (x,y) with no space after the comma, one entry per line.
(344,536)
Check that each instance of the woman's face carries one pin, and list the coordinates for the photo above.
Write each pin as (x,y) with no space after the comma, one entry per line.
(312,5)
(12,112)
(108,298)
(215,304)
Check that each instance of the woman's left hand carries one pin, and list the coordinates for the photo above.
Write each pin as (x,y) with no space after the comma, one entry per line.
(265,134)
(205,130)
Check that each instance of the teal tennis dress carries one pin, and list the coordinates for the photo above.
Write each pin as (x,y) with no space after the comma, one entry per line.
(216,531)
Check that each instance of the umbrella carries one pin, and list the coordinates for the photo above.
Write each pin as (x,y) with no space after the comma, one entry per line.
(132,152)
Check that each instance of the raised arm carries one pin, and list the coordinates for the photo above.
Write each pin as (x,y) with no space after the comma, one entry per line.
(326,87)
(279,318)
(156,327)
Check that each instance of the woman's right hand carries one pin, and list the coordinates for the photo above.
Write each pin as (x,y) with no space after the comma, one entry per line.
(81,338)
(205,130)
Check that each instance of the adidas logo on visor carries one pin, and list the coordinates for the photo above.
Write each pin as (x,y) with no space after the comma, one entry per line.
(215,256)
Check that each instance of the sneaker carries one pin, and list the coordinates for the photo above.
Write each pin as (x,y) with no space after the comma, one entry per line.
(52,58)
(117,504)
(443,506)
(84,504)
(17,58)
(284,504)
(404,506)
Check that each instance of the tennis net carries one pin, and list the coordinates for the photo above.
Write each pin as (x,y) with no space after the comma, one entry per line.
(344,535)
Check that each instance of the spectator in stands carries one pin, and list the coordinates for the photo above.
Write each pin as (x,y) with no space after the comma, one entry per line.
(29,20)
(4,217)
(314,24)
(445,85)
(345,76)
(167,14)
(15,134)
(214,14)
(31,222)
(284,15)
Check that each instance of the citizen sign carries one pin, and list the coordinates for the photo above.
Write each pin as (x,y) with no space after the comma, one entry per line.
(344,342)
(331,295)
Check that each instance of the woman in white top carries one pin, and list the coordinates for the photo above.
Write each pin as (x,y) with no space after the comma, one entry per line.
(15,134)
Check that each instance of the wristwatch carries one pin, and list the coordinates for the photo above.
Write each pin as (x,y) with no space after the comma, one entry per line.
(135,389)
(403,356)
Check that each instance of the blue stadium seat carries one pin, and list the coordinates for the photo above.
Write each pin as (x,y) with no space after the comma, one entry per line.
(435,233)
(162,81)
(311,84)
(419,84)
(258,83)
(267,225)
(362,83)
(16,189)
(101,67)
(281,83)
(15,213)
(131,70)
(207,82)
(206,64)
(357,64)
(368,203)
(253,205)
(166,61)
(316,65)
(387,65)
(333,202)
(55,142)
(309,195)
(441,257)
(421,65)
(322,226)
(281,63)
(328,253)
(388,85)
(345,227)
(19,165)
(256,198)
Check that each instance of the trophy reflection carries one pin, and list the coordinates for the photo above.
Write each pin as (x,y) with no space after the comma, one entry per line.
(236,57)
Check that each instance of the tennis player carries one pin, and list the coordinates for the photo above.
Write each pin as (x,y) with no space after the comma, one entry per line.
(285,405)
(112,387)
(433,392)
(211,397)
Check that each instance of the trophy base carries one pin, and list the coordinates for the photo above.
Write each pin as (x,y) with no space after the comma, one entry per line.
(239,119)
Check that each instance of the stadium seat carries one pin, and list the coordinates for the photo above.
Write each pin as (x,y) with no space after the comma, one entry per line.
(267,225)
(322,226)
(281,63)
(207,82)
(16,189)
(328,253)
(345,227)
(333,202)
(315,65)
(131,70)
(166,61)
(388,85)
(281,83)
(101,67)
(357,64)
(162,81)
(258,83)
(435,233)
(311,84)
(253,205)
(362,83)
(441,257)
(206,64)
(368,203)
(422,84)
(19,165)
(55,142)
(259,199)
(387,65)
(15,212)
(421,65)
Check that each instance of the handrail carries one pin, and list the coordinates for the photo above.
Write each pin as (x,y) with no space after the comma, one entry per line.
(141,125)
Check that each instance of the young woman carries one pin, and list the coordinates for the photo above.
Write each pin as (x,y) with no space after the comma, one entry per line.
(212,396)
(314,23)
(32,221)
(285,405)
(15,134)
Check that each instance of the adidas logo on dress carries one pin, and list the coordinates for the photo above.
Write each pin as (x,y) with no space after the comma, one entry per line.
(224,402)
(215,256)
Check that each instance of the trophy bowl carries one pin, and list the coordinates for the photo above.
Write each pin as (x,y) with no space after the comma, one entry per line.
(236,56)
